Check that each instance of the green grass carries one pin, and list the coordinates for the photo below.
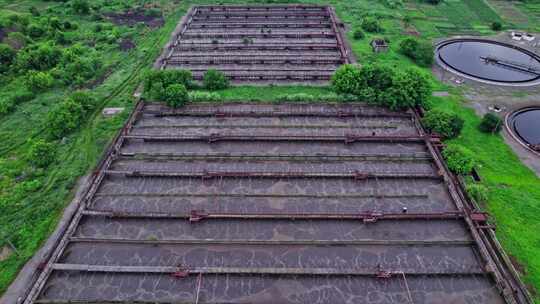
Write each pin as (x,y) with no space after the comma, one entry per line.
(32,213)
(514,190)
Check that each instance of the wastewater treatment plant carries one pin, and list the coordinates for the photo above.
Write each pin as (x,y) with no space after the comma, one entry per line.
(366,151)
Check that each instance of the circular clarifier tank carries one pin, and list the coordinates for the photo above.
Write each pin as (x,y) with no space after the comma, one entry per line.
(489,61)
(525,125)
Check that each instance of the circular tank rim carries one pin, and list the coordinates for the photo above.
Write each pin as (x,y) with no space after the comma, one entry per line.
(448,68)
(510,129)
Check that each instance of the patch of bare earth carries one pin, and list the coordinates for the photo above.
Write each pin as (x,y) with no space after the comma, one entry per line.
(126,45)
(5,253)
(136,16)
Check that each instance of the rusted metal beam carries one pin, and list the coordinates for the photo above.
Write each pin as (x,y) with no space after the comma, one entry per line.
(340,114)
(319,138)
(394,157)
(292,196)
(199,215)
(368,271)
(269,174)
(223,46)
(251,242)
(255,25)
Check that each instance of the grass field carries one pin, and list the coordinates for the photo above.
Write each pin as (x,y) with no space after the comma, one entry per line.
(31,200)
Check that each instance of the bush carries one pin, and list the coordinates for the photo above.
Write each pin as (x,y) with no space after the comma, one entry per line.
(83,98)
(64,118)
(496,26)
(478,192)
(215,80)
(176,95)
(39,57)
(41,153)
(346,80)
(35,30)
(445,124)
(198,96)
(7,56)
(490,123)
(459,159)
(358,34)
(77,65)
(371,25)
(80,6)
(419,52)
(410,88)
(155,82)
(37,81)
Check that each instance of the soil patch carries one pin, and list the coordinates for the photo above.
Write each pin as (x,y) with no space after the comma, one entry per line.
(126,45)
(520,268)
(5,253)
(133,17)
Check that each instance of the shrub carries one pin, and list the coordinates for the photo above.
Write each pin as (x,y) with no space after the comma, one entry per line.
(346,80)
(77,64)
(198,96)
(419,52)
(478,192)
(41,153)
(215,80)
(155,82)
(7,56)
(37,81)
(376,81)
(447,125)
(64,118)
(371,25)
(38,57)
(358,34)
(176,95)
(434,2)
(490,123)
(83,98)
(80,6)
(496,26)
(459,159)
(410,88)
(35,30)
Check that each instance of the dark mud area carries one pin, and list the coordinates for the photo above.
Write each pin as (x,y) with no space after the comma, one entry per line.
(134,17)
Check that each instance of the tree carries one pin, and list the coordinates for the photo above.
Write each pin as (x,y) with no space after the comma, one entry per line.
(496,26)
(445,124)
(80,6)
(358,34)
(215,80)
(346,79)
(37,81)
(176,95)
(155,82)
(83,98)
(410,88)
(41,153)
(64,118)
(459,159)
(371,25)
(7,56)
(44,56)
(490,123)
(419,52)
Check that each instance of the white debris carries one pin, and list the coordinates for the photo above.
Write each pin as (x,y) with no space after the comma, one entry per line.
(108,112)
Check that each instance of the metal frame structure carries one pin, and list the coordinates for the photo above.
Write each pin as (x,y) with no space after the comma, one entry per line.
(495,262)
(284,29)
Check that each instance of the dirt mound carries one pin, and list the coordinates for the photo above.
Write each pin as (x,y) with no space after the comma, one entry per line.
(133,17)
(126,45)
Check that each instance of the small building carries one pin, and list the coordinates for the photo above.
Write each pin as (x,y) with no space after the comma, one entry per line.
(379,45)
